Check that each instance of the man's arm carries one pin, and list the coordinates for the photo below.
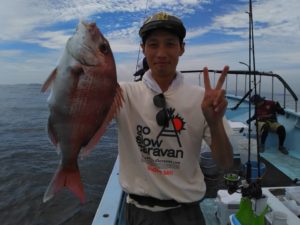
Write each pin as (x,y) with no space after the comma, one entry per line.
(220,146)
(251,118)
(279,109)
(214,105)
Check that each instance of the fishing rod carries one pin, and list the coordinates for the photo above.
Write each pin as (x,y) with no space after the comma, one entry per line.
(243,98)
(253,190)
(250,189)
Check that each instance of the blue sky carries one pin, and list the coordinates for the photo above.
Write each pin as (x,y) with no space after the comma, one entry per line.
(34,32)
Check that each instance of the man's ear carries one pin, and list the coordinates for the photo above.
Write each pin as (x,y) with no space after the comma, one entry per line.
(143,47)
(182,46)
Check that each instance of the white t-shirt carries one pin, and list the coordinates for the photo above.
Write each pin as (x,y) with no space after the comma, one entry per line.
(162,162)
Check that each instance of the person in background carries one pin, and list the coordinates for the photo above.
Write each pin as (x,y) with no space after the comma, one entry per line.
(161,127)
(266,114)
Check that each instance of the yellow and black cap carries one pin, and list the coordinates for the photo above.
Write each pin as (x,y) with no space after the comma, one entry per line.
(163,20)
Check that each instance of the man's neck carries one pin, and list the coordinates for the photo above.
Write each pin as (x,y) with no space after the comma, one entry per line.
(164,82)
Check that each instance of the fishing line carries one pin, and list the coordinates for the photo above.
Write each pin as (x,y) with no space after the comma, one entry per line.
(139,51)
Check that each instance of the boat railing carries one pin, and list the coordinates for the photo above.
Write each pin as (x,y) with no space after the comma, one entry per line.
(268,84)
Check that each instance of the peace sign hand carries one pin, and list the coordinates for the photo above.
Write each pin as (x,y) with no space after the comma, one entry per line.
(214,103)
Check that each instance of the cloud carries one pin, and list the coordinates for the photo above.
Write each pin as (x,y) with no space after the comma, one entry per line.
(272,18)
(10,53)
(28,68)
(196,32)
(47,24)
(19,18)
(51,40)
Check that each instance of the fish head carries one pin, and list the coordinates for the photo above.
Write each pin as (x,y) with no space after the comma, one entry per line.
(88,45)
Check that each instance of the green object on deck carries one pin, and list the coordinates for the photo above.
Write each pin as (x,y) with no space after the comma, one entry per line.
(246,216)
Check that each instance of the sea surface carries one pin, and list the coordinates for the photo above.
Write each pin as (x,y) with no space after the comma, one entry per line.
(28,161)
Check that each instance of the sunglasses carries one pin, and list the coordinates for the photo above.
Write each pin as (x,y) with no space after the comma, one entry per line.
(162,117)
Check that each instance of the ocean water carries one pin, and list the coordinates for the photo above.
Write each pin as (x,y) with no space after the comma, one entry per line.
(28,161)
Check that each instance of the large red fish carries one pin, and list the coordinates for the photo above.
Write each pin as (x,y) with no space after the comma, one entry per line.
(85,95)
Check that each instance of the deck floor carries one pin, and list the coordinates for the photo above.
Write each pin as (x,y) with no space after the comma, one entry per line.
(285,163)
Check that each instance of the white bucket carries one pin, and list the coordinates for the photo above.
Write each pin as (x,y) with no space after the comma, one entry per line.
(279,218)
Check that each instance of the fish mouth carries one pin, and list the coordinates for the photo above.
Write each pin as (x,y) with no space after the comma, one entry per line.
(92,28)
(91,25)
(89,52)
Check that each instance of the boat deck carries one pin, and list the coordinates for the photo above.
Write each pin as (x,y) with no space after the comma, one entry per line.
(288,164)
(110,211)
(281,171)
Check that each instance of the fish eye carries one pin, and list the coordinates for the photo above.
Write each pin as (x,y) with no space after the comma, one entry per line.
(104,48)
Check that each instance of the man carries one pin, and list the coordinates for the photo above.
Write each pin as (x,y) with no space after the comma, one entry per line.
(266,114)
(161,128)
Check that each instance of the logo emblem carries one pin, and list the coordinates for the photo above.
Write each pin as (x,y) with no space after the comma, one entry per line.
(176,125)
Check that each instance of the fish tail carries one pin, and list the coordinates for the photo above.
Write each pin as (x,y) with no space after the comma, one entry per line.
(65,178)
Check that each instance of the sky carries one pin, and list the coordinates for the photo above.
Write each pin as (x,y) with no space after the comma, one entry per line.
(34,33)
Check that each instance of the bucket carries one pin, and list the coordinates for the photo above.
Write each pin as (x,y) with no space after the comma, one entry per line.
(208,165)
(279,218)
(254,169)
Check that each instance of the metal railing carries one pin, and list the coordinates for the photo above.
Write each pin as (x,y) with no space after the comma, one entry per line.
(264,82)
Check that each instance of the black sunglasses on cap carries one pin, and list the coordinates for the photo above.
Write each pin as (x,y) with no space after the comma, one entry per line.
(162,117)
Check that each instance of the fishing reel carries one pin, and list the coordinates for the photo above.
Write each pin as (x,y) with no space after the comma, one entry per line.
(232,181)
(250,189)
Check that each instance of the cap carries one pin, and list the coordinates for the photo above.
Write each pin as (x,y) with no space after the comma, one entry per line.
(163,20)
(256,98)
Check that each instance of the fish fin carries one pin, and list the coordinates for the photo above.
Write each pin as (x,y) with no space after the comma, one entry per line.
(115,107)
(50,79)
(65,178)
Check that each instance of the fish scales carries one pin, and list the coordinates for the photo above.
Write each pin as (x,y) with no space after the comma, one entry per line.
(85,95)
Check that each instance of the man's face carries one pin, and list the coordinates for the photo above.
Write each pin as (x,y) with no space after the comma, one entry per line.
(162,50)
